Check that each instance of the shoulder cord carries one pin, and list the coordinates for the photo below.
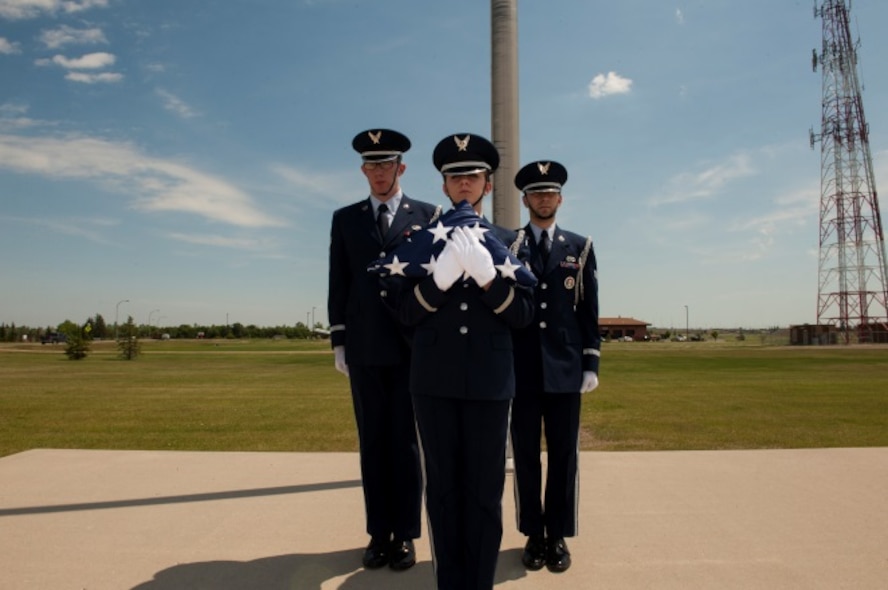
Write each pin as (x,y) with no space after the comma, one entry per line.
(517,243)
(436,215)
(579,289)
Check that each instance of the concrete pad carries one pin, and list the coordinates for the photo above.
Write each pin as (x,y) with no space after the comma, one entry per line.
(157,520)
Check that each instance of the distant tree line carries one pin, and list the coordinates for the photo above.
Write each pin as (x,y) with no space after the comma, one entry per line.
(99,329)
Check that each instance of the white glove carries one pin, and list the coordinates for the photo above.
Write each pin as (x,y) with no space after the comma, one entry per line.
(590,382)
(447,269)
(339,360)
(474,257)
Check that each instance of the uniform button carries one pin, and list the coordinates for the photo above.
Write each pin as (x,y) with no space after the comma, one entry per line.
(384,293)
(543,325)
(463,306)
(544,286)
(465,285)
(543,305)
(463,330)
(382,254)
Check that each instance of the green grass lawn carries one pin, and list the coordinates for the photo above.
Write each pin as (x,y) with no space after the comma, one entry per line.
(678,396)
(286,396)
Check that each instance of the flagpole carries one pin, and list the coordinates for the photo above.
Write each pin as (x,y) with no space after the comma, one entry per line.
(504,110)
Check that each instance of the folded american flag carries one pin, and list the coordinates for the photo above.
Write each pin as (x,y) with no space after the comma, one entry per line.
(416,256)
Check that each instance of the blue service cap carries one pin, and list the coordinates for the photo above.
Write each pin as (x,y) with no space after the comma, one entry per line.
(541,176)
(465,153)
(379,145)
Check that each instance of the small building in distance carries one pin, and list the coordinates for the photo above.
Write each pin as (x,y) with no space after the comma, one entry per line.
(622,328)
(807,334)
(814,334)
(872,333)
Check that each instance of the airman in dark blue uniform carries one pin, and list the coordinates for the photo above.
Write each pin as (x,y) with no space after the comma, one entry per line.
(462,376)
(370,348)
(556,361)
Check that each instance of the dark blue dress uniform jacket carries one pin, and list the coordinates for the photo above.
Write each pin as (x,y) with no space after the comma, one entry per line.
(561,343)
(462,343)
(354,307)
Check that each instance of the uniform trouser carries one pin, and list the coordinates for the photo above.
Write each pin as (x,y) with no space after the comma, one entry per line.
(464,450)
(390,467)
(560,414)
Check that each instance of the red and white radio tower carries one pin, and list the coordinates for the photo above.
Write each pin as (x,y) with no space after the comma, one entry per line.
(852,288)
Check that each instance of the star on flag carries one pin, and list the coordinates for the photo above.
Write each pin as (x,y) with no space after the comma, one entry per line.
(396,267)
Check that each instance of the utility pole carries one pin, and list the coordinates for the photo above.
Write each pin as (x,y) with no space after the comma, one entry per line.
(116,313)
(852,288)
(151,313)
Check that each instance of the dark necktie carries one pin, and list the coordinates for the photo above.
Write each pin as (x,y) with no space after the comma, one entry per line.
(545,246)
(382,221)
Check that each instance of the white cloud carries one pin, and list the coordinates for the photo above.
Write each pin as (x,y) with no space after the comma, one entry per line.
(218,241)
(679,16)
(687,221)
(105,77)
(766,229)
(90,61)
(11,109)
(8,47)
(689,186)
(12,123)
(77,227)
(302,180)
(175,104)
(798,216)
(65,35)
(16,9)
(12,116)
(805,197)
(72,6)
(334,187)
(606,84)
(792,210)
(156,184)
(22,9)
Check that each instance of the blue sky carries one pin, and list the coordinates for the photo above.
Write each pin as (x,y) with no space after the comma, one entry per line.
(186,155)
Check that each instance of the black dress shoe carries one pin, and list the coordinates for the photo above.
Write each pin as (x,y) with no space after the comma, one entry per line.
(534,556)
(557,555)
(402,555)
(376,554)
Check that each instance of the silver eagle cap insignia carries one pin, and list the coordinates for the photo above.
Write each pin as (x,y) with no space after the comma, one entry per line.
(462,144)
